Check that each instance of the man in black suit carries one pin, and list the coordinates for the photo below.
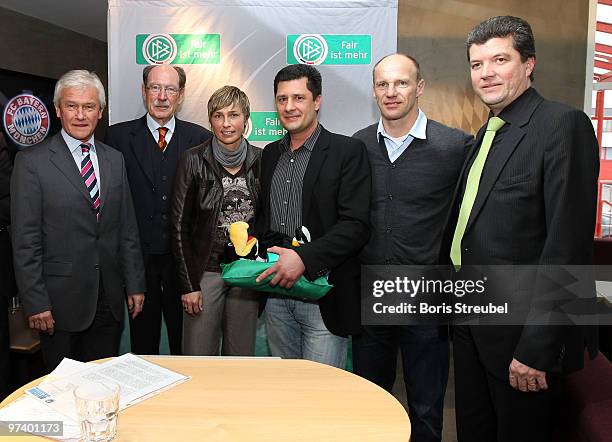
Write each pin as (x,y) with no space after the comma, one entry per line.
(75,240)
(152,146)
(320,180)
(7,279)
(530,200)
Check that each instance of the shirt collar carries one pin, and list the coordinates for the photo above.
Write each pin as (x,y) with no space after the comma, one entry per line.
(154,125)
(418,129)
(515,110)
(74,144)
(308,144)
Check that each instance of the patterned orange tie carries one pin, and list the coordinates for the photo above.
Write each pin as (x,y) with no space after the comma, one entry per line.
(162,138)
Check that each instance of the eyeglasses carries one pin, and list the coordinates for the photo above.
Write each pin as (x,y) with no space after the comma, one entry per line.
(170,91)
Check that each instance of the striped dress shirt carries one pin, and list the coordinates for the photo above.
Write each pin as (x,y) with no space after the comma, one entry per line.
(287,182)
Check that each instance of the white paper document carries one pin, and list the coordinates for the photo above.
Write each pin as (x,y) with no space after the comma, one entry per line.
(138,379)
(66,368)
(30,410)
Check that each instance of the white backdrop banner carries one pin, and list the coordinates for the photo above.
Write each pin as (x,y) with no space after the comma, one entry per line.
(244,43)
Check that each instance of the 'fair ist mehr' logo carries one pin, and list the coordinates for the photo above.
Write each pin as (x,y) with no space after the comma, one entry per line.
(178,49)
(329,49)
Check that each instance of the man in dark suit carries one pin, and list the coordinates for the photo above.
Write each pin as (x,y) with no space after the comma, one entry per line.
(75,240)
(320,180)
(527,195)
(415,166)
(7,279)
(152,146)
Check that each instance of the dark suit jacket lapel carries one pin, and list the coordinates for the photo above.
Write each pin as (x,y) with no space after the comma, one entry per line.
(492,169)
(269,167)
(465,169)
(269,160)
(495,164)
(63,160)
(105,172)
(139,140)
(184,140)
(317,158)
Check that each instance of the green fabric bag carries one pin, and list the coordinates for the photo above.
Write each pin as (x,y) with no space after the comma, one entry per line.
(244,272)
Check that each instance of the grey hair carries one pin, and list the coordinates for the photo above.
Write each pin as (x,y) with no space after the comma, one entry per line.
(79,79)
(179,70)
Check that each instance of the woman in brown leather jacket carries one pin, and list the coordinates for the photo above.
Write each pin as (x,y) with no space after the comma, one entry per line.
(216,184)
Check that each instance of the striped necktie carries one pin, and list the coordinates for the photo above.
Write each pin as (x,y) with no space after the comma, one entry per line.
(162,143)
(471,188)
(89,176)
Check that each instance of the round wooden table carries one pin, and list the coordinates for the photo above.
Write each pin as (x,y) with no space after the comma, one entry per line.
(261,399)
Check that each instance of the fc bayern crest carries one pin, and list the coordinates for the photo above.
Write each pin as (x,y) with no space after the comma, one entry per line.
(26,120)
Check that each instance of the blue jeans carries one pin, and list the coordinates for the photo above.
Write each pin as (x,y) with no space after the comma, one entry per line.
(425,360)
(296,330)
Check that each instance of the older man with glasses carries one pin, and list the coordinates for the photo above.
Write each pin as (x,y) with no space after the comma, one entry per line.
(152,146)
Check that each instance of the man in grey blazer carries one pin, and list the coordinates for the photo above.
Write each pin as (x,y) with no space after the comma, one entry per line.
(415,166)
(76,246)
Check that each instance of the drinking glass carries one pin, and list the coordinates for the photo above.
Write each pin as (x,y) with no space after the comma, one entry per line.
(97,404)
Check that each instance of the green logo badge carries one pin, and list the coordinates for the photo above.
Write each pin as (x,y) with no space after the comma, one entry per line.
(159,49)
(178,48)
(264,126)
(329,49)
(310,49)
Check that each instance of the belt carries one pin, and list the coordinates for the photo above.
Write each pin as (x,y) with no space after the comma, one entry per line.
(3,228)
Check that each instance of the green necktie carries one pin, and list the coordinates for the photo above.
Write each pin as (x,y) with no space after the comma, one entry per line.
(471,188)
